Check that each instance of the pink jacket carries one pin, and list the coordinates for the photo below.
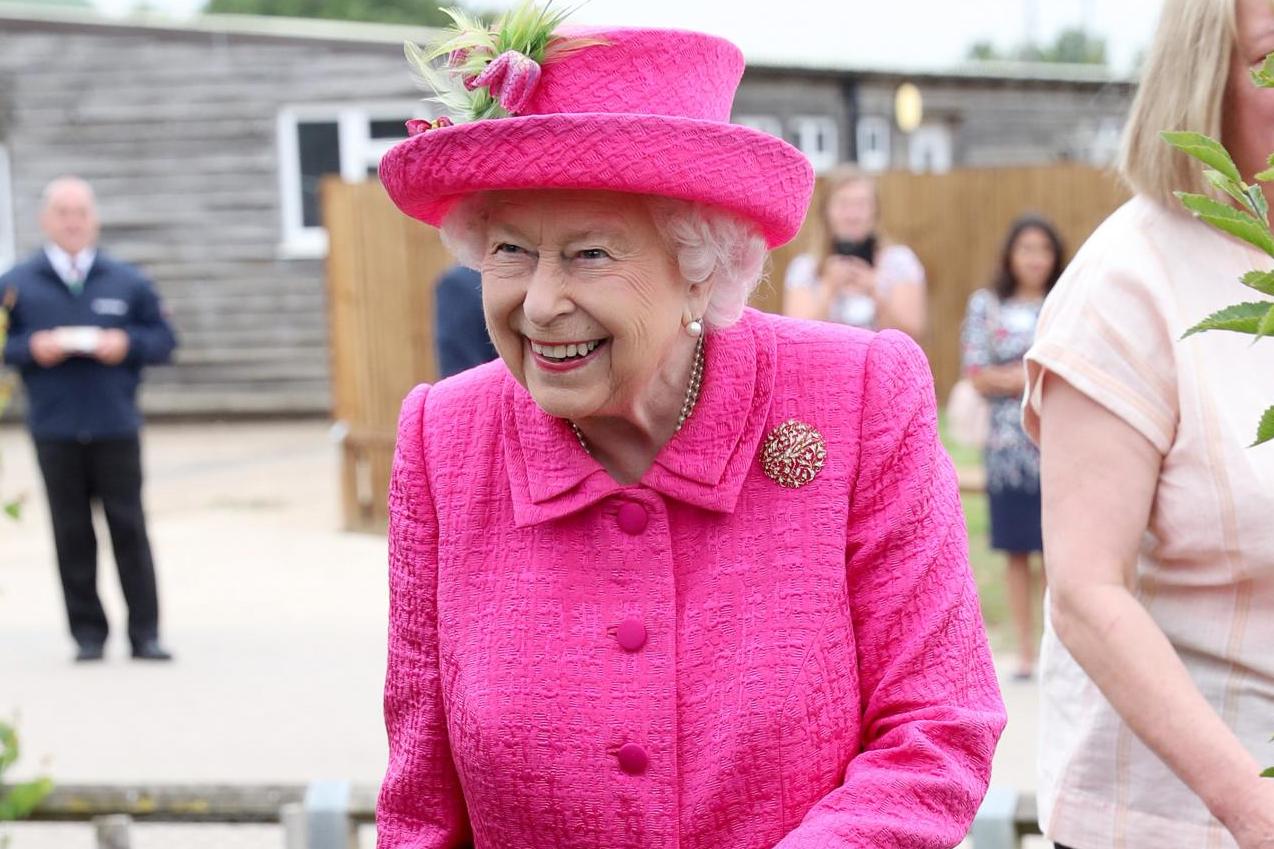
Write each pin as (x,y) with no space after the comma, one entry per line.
(705,660)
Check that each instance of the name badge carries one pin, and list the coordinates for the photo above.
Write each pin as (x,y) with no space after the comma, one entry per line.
(109,306)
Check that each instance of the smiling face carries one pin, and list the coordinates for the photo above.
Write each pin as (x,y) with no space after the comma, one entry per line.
(1249,111)
(584,303)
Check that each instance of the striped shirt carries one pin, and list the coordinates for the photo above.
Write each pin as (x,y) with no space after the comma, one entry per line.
(1112,329)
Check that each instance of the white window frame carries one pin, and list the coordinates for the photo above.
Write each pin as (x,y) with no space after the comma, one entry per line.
(765,123)
(818,137)
(8,232)
(935,139)
(870,156)
(358,151)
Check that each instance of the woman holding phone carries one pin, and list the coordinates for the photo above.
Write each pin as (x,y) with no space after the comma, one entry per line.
(855,275)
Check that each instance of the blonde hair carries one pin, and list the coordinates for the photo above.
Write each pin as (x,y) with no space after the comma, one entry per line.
(1182,89)
(822,238)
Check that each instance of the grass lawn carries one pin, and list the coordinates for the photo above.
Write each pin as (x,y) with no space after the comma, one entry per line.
(988,566)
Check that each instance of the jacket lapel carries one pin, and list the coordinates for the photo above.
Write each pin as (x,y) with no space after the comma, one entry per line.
(705,464)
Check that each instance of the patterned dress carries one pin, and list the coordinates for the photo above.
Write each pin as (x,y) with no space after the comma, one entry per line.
(997,333)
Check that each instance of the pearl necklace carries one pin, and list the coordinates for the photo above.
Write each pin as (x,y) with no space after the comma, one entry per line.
(687,406)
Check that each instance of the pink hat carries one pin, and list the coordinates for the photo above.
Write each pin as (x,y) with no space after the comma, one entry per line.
(631,110)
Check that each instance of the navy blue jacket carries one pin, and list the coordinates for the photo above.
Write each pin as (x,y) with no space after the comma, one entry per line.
(460,331)
(81,398)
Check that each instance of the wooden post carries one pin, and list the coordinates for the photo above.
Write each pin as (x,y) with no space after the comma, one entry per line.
(995,826)
(292,818)
(381,271)
(328,824)
(113,831)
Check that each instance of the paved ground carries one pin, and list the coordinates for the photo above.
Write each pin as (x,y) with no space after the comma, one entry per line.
(277,618)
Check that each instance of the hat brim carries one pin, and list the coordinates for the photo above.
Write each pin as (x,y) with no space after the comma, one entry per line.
(737,168)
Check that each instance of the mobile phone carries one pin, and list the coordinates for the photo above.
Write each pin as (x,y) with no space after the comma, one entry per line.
(864,250)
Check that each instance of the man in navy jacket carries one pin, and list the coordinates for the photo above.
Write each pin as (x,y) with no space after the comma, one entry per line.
(82,326)
(460,331)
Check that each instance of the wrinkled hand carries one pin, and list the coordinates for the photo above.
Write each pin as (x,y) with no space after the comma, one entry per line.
(45,348)
(112,347)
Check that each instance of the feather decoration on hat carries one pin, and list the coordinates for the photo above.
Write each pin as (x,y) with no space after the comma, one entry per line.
(492,72)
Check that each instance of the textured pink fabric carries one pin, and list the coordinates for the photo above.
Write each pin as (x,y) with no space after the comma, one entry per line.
(815,670)
(646,113)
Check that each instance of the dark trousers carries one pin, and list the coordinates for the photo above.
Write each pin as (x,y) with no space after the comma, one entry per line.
(108,471)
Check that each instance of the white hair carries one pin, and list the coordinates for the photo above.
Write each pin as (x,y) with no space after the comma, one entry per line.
(709,244)
(64,182)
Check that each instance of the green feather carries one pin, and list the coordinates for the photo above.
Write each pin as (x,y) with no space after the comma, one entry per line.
(526,28)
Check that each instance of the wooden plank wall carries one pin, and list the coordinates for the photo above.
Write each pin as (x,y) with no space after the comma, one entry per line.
(178,133)
(382,268)
(956,223)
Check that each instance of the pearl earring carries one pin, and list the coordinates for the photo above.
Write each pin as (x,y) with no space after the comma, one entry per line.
(695,328)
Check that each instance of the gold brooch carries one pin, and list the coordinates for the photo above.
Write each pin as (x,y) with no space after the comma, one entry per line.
(793,454)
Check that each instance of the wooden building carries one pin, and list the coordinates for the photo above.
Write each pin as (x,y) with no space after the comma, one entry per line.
(206,141)
(205,144)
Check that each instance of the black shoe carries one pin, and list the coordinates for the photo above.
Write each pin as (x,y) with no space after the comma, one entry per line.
(89,652)
(150,650)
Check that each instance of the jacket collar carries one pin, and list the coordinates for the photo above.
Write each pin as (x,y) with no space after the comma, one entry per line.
(704,464)
(41,262)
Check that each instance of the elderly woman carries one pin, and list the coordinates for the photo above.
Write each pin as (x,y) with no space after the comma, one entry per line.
(669,572)
(1158,658)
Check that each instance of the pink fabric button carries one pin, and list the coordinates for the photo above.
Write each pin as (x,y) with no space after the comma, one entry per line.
(632,518)
(633,759)
(631,634)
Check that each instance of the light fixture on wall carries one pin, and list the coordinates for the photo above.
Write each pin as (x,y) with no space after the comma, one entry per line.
(909,108)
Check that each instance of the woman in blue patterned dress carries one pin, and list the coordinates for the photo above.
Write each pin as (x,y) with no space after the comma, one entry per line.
(999,327)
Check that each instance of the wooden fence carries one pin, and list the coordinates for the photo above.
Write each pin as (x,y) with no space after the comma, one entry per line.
(382,266)
(956,224)
(320,815)
(329,814)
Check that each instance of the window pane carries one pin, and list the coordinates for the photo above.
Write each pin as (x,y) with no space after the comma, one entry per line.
(395,128)
(320,147)
(764,123)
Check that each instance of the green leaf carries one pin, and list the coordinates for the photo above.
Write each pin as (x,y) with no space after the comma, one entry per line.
(1264,433)
(1257,203)
(21,799)
(13,510)
(1230,187)
(1265,328)
(8,746)
(1261,281)
(1264,75)
(1269,773)
(1240,318)
(1267,175)
(1229,219)
(1207,150)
